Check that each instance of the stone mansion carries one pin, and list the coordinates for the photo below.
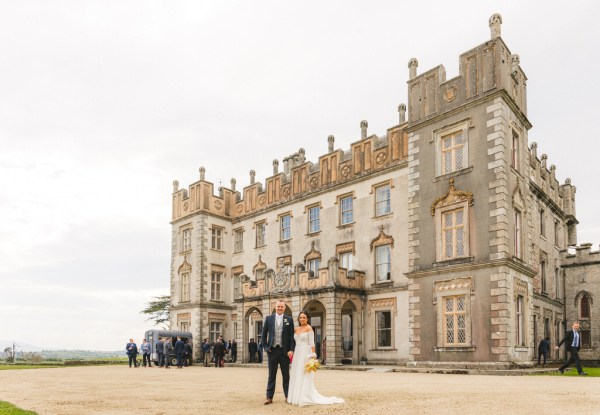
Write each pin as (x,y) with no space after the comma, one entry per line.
(444,241)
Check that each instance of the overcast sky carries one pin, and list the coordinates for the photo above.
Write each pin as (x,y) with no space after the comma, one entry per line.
(104,103)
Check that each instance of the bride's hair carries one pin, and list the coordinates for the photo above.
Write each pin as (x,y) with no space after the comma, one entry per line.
(302,312)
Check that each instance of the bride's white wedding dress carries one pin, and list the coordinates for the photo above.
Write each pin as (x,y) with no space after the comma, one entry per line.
(302,389)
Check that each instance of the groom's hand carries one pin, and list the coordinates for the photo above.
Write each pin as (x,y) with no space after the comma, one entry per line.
(290,354)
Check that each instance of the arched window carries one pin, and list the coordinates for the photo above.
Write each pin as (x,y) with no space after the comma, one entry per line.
(584,320)
(584,307)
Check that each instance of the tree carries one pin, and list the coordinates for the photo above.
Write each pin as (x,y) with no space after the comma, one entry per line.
(158,310)
(10,353)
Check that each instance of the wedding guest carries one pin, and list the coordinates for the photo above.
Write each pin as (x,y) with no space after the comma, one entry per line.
(179,351)
(187,353)
(160,347)
(145,348)
(132,352)
(168,351)
(252,349)
(233,351)
(572,340)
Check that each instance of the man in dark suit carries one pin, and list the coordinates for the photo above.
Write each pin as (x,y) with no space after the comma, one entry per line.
(252,349)
(572,340)
(219,353)
(179,351)
(132,352)
(278,340)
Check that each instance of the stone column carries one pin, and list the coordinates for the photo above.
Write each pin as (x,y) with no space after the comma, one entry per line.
(252,176)
(275,167)
(402,113)
(330,141)
(363,129)
(202,173)
(412,68)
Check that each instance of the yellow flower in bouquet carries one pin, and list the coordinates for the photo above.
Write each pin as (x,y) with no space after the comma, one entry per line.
(312,365)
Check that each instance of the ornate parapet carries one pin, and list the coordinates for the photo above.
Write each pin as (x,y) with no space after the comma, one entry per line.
(287,279)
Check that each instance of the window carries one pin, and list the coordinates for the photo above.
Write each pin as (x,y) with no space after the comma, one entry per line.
(184,326)
(382,200)
(453,229)
(520,322)
(215,330)
(186,240)
(346,260)
(382,263)
(557,284)
(217,238)
(542,222)
(518,239)
(238,240)
(185,286)
(384,328)
(215,286)
(543,276)
(584,307)
(261,230)
(314,222)
(453,152)
(237,280)
(584,321)
(313,265)
(455,326)
(286,230)
(514,159)
(556,233)
(346,210)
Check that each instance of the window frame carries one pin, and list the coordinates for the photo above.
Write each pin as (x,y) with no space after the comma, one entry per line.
(316,208)
(238,240)
(185,287)
(461,126)
(215,330)
(216,237)
(379,202)
(260,234)
(518,234)
(216,285)
(379,265)
(387,329)
(344,210)
(186,239)
(347,254)
(443,289)
(520,338)
(283,228)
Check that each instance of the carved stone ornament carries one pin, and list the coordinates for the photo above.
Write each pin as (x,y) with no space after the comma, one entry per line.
(239,208)
(383,303)
(381,157)
(585,325)
(186,206)
(345,171)
(452,197)
(259,265)
(239,269)
(185,267)
(518,201)
(286,191)
(343,248)
(217,316)
(218,204)
(261,200)
(382,239)
(450,93)
(314,182)
(282,278)
(313,254)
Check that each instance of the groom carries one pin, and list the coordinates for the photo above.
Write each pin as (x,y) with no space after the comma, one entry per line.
(278,341)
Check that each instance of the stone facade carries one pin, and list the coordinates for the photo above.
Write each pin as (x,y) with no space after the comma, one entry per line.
(440,242)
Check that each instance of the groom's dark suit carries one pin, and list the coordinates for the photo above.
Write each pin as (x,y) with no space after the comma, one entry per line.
(574,351)
(278,354)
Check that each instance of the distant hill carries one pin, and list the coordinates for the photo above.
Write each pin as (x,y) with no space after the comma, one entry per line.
(21,347)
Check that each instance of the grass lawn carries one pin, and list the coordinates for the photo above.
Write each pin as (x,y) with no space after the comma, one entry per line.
(572,371)
(9,409)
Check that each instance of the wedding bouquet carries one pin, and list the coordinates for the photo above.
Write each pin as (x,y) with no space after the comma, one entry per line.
(313,364)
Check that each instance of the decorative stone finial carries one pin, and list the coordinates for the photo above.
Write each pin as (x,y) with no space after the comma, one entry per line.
(302,154)
(412,68)
(495,25)
(534,149)
(515,61)
(252,176)
(286,165)
(568,181)
(402,113)
(363,129)
(275,167)
(175,186)
(544,160)
(233,181)
(330,141)
(202,172)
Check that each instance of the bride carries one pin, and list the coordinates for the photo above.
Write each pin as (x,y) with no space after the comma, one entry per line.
(302,389)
